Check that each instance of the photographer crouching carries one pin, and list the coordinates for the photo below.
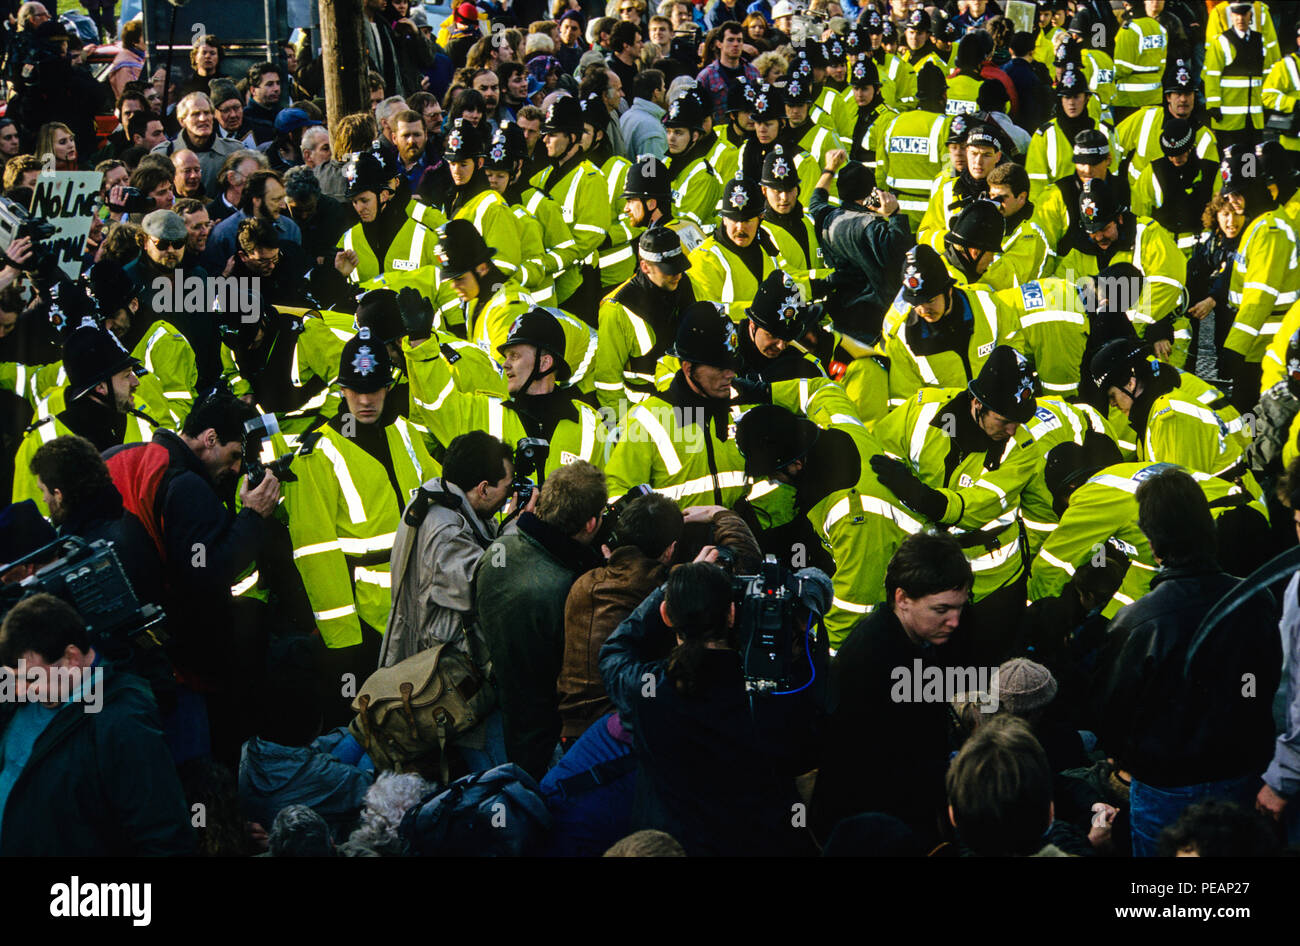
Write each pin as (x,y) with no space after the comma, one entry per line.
(718,750)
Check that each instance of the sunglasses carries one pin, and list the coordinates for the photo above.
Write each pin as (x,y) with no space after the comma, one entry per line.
(169,244)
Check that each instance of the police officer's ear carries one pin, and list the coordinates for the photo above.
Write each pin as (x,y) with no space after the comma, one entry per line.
(102,389)
(545,362)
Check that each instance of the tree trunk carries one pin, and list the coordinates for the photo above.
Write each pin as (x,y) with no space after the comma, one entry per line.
(343,51)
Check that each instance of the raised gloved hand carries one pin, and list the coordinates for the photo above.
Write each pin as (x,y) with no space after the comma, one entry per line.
(752,391)
(899,479)
(416,312)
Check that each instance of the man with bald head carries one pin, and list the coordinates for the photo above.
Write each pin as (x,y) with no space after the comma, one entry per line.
(189,175)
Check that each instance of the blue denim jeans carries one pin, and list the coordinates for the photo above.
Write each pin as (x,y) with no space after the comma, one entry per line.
(1151,809)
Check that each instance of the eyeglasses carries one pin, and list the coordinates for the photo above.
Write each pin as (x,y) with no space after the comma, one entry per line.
(169,244)
(265,260)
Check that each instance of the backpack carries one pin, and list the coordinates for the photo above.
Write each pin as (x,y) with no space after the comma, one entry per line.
(419,704)
(497,813)
(139,472)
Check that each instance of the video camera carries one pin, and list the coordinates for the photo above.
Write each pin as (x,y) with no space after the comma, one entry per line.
(89,576)
(257,431)
(685,45)
(775,657)
(136,202)
(530,461)
(16,222)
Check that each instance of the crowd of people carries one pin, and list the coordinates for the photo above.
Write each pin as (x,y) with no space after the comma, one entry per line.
(706,429)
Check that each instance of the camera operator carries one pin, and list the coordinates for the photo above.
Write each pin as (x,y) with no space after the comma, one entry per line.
(205,546)
(717,763)
(78,783)
(48,88)
(100,398)
(644,538)
(443,533)
(520,587)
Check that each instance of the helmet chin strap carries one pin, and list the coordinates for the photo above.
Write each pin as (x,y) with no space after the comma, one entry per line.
(536,375)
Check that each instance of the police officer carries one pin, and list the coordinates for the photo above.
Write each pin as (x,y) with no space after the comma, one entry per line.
(1097,64)
(921,48)
(542,402)
(1118,235)
(577,186)
(827,464)
(100,398)
(354,476)
(679,440)
(912,157)
(1053,330)
(487,300)
(386,241)
(1051,150)
(1059,206)
(543,228)
(966,461)
(284,363)
(1141,48)
(1174,189)
(694,184)
(1264,280)
(870,114)
(724,157)
(769,339)
(897,77)
(729,266)
(615,258)
(638,320)
(1177,418)
(1281,91)
(648,198)
(941,189)
(472,198)
(1024,247)
(769,118)
(983,154)
(1139,134)
(784,219)
(1236,61)
(974,241)
(939,334)
(806,131)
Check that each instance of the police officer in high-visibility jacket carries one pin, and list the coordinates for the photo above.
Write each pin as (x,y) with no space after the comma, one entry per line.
(921,48)
(638,322)
(1098,66)
(785,221)
(471,197)
(489,303)
(679,440)
(577,186)
(974,241)
(1119,235)
(615,256)
(914,145)
(695,186)
(724,155)
(771,340)
(1236,61)
(1053,330)
(1265,274)
(1281,93)
(1139,134)
(100,397)
(1093,491)
(897,77)
(769,120)
(728,267)
(1051,150)
(542,404)
(386,239)
(1175,189)
(1177,419)
(983,154)
(866,136)
(827,462)
(961,458)
(1141,47)
(355,475)
(939,334)
(539,229)
(803,131)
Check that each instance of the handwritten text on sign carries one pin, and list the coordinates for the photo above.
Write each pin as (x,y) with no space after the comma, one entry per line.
(67,200)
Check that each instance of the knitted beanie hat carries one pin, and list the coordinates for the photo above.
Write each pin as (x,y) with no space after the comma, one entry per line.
(1024,686)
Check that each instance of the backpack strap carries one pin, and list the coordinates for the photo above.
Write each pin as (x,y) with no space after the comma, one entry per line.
(602,773)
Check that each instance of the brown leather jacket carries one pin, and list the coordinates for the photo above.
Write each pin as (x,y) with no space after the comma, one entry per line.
(597,604)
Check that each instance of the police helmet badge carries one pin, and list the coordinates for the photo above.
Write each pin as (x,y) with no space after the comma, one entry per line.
(912,278)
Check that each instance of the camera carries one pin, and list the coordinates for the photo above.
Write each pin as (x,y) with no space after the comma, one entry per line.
(608,532)
(685,45)
(135,202)
(16,222)
(89,576)
(530,461)
(258,430)
(777,657)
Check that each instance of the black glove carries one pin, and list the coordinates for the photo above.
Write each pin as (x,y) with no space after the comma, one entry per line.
(899,479)
(1161,331)
(416,312)
(1216,114)
(751,391)
(821,288)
